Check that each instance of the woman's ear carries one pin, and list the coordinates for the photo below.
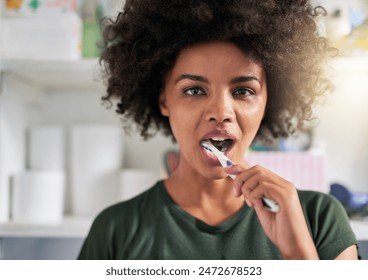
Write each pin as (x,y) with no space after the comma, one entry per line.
(162,103)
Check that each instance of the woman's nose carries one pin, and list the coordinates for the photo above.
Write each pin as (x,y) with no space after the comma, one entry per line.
(220,108)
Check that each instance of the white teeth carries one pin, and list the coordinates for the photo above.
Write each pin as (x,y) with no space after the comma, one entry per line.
(218,138)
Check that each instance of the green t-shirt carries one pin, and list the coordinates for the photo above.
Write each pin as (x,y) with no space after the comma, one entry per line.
(152,226)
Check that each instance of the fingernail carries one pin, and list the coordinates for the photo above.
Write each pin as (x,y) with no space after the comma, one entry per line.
(235,191)
(248,202)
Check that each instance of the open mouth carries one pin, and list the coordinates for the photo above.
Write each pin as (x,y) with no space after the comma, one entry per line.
(222,144)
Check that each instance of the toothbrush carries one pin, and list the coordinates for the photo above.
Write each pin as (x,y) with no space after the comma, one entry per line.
(225,162)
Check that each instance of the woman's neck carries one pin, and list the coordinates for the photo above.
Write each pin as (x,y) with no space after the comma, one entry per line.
(211,201)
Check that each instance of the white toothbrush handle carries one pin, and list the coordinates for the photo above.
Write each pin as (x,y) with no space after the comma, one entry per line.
(271,205)
(232,176)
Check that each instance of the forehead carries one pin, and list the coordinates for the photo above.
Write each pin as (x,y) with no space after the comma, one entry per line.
(224,58)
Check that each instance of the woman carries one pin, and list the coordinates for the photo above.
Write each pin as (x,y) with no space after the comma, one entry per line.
(223,71)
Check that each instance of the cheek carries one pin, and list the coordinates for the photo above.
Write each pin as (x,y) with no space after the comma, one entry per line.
(250,120)
(183,124)
(179,120)
(253,114)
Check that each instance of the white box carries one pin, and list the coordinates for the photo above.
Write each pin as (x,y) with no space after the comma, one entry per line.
(38,197)
(46,148)
(93,191)
(96,158)
(134,181)
(12,148)
(51,38)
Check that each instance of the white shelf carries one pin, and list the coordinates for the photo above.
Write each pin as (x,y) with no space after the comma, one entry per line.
(55,74)
(70,227)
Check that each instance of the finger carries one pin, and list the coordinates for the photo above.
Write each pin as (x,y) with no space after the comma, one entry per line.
(243,177)
(235,169)
(254,198)
(266,189)
(249,186)
(253,192)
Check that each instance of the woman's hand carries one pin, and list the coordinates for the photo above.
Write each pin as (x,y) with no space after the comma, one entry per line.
(287,229)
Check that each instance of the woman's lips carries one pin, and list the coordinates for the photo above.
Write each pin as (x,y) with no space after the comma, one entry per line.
(210,157)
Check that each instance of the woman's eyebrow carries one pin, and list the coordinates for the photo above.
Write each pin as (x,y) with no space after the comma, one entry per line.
(242,79)
(198,78)
(191,77)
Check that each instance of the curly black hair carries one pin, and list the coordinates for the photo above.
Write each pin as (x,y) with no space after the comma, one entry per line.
(142,43)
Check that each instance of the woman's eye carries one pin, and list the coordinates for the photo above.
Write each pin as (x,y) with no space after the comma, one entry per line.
(244,92)
(194,91)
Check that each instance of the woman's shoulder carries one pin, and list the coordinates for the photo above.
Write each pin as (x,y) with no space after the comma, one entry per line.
(319,200)
(320,206)
(328,223)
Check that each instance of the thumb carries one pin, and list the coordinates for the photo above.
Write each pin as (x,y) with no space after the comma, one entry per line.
(234,169)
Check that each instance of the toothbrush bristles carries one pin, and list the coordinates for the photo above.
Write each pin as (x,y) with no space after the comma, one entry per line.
(204,145)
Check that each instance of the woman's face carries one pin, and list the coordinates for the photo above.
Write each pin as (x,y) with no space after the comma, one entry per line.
(214,91)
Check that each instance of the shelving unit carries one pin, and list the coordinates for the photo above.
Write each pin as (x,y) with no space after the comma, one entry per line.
(75,78)
(36,78)
(84,74)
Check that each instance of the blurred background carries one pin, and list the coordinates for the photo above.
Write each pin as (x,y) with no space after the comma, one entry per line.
(64,157)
